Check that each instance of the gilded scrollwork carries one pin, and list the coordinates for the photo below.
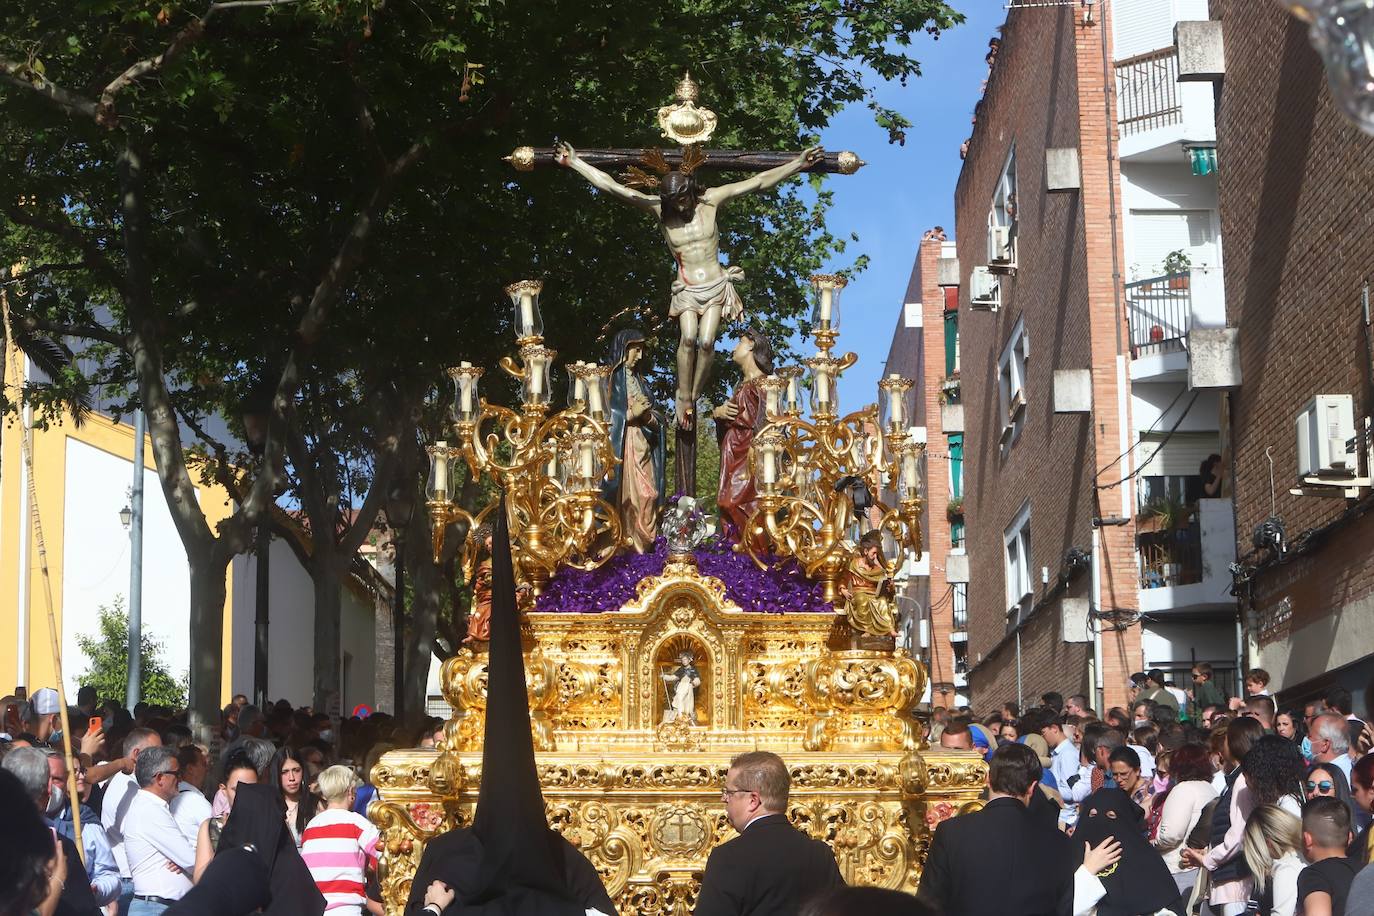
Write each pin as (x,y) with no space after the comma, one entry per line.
(640,797)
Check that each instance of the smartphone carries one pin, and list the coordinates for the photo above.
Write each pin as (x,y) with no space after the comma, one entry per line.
(94,725)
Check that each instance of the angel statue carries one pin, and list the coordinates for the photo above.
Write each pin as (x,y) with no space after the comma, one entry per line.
(869,591)
(682,684)
(703,289)
(635,487)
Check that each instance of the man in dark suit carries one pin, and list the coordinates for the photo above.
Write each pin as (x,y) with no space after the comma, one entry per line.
(771,868)
(1001,859)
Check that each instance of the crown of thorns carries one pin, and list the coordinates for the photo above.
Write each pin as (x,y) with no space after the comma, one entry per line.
(636,177)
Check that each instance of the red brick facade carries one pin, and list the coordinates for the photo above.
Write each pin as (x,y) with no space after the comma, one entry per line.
(1047,91)
(1296,184)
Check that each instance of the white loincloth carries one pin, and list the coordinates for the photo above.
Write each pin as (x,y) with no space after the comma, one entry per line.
(699,298)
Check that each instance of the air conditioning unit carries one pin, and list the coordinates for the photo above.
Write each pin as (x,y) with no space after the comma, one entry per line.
(1001,249)
(984,291)
(1326,437)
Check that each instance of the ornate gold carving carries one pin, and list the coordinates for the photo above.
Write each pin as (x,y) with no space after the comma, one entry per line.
(641,798)
(849,162)
(522,158)
(684,122)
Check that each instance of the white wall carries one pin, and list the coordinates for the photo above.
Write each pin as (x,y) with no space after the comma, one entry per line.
(1151,399)
(291,632)
(1208,640)
(95,559)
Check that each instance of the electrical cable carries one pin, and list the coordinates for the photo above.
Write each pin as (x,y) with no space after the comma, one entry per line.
(1162,414)
(1169,435)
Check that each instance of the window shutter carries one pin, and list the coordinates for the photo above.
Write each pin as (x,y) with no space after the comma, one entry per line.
(1181,456)
(1140,26)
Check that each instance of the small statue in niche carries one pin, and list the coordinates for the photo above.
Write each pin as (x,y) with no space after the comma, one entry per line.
(868,589)
(680,687)
(736,421)
(635,486)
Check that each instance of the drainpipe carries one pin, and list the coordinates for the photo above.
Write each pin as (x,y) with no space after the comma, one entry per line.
(1095,622)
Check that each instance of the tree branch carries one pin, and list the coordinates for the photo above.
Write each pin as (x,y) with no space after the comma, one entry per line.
(92,255)
(86,331)
(21,75)
(104,112)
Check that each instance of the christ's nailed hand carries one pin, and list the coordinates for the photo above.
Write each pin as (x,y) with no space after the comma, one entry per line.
(564,154)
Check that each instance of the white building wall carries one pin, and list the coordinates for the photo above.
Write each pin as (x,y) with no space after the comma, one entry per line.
(95,560)
(291,633)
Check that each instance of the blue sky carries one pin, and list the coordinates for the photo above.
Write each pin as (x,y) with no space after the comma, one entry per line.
(903,190)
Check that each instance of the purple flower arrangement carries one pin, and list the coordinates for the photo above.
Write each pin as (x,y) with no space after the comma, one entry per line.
(783,588)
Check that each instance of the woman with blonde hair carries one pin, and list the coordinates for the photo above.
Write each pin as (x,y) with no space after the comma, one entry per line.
(1273,850)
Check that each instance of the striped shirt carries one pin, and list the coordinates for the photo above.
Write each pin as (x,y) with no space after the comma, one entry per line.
(336,847)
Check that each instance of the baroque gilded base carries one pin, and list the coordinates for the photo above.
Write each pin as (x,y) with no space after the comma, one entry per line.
(639,791)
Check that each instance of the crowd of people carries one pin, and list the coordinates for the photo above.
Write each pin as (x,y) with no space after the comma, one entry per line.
(158,811)
(1182,802)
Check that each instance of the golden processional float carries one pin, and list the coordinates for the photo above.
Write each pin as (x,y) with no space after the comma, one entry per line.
(631,768)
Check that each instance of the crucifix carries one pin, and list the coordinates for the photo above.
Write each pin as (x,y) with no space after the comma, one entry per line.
(703,290)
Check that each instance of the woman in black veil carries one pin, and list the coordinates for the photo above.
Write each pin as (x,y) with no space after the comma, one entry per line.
(1139,883)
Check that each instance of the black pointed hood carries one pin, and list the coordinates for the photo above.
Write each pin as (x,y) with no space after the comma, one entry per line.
(518,848)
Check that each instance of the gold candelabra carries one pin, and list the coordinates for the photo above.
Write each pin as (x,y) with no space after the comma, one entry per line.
(804,511)
(550,465)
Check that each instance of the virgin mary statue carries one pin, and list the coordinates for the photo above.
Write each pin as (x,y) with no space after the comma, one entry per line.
(635,487)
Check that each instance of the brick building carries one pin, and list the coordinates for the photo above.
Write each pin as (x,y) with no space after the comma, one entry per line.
(1297,191)
(1088,257)
(925,346)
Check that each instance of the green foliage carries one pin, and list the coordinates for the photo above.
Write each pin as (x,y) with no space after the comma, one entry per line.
(108,654)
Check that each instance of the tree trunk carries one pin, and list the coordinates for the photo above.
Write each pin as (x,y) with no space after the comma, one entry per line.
(208,567)
(327,573)
(425,600)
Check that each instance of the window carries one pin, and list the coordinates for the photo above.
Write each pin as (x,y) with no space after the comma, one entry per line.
(1155,234)
(960,601)
(951,344)
(956,466)
(1002,220)
(1017,539)
(1011,382)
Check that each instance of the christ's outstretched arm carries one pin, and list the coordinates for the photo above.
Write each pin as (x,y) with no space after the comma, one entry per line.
(763,180)
(567,156)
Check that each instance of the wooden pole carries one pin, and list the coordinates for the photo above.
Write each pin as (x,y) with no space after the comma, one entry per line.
(26,443)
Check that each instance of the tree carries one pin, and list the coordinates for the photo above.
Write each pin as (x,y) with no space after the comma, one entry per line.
(108,654)
(246,198)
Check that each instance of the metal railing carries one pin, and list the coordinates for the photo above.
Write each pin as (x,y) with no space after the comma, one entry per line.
(1171,558)
(1160,312)
(1147,91)
(960,609)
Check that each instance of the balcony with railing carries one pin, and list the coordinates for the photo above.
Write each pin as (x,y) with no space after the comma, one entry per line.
(1185,553)
(1155,112)
(1161,311)
(1147,95)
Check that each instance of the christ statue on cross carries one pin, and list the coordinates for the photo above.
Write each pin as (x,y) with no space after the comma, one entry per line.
(703,288)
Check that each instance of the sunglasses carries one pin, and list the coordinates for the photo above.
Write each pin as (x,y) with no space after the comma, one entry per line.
(1324,785)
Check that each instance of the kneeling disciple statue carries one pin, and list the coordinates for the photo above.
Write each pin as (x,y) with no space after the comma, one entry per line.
(869,590)
(635,487)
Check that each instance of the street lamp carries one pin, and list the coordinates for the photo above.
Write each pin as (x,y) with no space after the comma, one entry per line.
(126,516)
(400,507)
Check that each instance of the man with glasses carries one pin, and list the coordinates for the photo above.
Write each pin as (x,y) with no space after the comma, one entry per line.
(101,871)
(160,858)
(771,868)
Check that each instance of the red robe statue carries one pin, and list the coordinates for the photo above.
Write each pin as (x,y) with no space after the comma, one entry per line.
(738,499)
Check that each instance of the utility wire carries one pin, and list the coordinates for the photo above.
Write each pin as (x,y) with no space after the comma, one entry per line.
(1167,437)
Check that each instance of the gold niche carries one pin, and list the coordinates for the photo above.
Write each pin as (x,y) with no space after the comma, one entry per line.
(639,792)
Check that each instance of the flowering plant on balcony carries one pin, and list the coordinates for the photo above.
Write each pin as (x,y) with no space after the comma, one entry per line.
(1176,265)
(954,510)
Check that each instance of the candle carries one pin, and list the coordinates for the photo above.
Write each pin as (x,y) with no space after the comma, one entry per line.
(441,469)
(827,294)
(579,383)
(465,390)
(772,405)
(822,389)
(586,458)
(793,396)
(526,313)
(911,473)
(594,393)
(535,374)
(770,465)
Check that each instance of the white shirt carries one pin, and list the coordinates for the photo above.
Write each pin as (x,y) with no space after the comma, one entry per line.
(151,840)
(1147,761)
(1284,880)
(1343,761)
(190,809)
(1064,764)
(114,810)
